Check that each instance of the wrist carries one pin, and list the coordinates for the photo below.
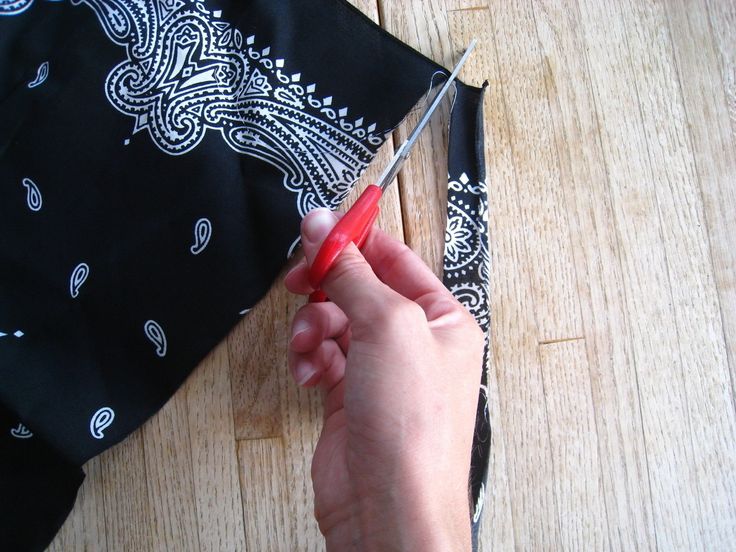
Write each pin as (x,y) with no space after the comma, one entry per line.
(425,519)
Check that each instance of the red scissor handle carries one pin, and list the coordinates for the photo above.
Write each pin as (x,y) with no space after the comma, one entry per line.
(353,227)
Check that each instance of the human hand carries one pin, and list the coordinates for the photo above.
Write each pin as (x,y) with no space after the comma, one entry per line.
(398,359)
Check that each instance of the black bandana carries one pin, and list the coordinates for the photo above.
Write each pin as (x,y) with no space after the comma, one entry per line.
(156,158)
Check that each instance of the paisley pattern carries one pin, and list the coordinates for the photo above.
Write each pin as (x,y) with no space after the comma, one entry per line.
(14,7)
(202,235)
(101,420)
(187,72)
(467,259)
(78,277)
(155,334)
(467,275)
(21,432)
(33,195)
(42,74)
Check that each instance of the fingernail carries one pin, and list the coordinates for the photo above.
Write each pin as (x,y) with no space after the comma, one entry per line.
(303,372)
(317,224)
(298,266)
(300,326)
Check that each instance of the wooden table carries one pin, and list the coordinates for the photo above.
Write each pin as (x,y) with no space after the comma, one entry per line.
(611,154)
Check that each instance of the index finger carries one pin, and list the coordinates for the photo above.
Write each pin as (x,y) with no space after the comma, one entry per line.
(393,262)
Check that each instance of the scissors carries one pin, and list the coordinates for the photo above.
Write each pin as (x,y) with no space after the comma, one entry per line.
(356,224)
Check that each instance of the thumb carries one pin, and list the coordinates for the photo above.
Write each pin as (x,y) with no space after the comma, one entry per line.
(351,283)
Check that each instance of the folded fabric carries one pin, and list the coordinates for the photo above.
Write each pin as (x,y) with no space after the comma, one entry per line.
(156,158)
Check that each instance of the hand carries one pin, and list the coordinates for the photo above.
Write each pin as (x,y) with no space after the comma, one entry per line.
(399,361)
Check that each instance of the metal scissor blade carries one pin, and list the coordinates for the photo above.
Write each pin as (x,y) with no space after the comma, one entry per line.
(403,152)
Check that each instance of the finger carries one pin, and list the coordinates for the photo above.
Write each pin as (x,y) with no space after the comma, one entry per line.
(334,362)
(325,362)
(392,261)
(351,282)
(316,322)
(395,265)
(334,399)
(400,268)
(297,279)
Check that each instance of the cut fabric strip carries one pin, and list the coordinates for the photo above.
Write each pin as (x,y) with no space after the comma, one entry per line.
(467,259)
(155,161)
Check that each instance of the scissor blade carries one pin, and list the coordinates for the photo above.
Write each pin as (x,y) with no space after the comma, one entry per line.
(403,152)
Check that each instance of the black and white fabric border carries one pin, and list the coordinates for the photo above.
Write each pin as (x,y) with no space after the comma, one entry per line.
(467,259)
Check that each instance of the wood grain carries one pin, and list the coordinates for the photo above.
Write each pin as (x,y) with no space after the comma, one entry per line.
(514,335)
(214,455)
(705,58)
(721,21)
(423,180)
(497,529)
(169,477)
(611,159)
(538,181)
(578,483)
(263,477)
(596,249)
(127,510)
(703,359)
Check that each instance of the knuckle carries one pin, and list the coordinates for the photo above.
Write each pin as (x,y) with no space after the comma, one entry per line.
(403,255)
(348,267)
(403,315)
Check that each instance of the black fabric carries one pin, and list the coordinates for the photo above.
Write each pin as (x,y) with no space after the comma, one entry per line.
(155,161)
(36,482)
(467,260)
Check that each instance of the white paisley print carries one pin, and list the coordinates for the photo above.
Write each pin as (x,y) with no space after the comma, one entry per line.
(467,260)
(188,72)
(14,7)
(466,273)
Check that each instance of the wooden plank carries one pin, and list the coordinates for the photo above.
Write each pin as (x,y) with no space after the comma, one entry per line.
(497,527)
(423,180)
(302,417)
(709,94)
(173,517)
(708,399)
(255,383)
(596,247)
(458,5)
(263,489)
(521,416)
(722,28)
(654,207)
(573,435)
(539,185)
(214,456)
(84,529)
(127,513)
(497,530)
(645,281)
